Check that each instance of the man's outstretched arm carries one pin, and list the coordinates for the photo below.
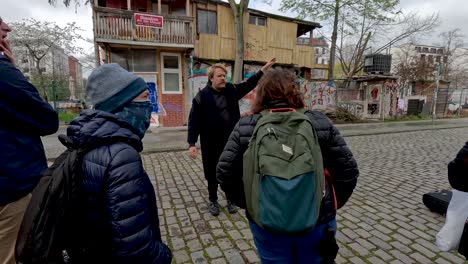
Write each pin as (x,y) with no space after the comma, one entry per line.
(244,88)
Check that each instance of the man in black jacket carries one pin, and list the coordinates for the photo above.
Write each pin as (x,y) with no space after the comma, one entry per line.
(214,113)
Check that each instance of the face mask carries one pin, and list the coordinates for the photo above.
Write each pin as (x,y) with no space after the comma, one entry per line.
(138,115)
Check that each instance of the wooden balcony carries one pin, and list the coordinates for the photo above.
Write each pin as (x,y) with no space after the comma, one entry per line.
(118,26)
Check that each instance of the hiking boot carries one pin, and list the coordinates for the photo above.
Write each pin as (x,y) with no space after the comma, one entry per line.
(232,208)
(214,208)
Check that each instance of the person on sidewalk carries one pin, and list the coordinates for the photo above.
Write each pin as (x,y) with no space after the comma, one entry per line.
(458,170)
(121,212)
(215,111)
(458,179)
(25,118)
(278,90)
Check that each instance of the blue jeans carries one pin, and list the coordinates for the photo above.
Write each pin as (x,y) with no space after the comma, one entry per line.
(317,246)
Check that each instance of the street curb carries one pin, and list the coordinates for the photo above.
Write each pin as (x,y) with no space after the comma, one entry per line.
(176,149)
(400,131)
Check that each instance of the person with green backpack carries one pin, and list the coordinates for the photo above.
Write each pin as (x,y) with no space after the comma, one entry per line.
(291,170)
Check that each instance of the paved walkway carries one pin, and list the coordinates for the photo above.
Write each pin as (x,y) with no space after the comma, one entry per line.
(384,222)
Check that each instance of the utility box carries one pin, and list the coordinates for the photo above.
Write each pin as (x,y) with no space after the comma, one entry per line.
(378,63)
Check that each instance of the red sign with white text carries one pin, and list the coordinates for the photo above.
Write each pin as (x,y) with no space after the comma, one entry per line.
(145,20)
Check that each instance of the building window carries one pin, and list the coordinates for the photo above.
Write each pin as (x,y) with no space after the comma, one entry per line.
(317,50)
(323,51)
(171,73)
(207,22)
(425,49)
(418,49)
(140,60)
(257,20)
(123,57)
(144,60)
(323,61)
(430,58)
(445,59)
(437,58)
(433,50)
(440,51)
(423,57)
(316,60)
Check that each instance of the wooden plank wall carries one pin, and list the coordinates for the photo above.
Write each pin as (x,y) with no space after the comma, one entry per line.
(277,39)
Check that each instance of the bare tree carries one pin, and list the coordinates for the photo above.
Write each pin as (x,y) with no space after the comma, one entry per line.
(455,66)
(68,2)
(410,66)
(40,38)
(239,10)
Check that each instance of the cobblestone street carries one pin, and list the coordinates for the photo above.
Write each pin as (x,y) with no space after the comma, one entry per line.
(384,222)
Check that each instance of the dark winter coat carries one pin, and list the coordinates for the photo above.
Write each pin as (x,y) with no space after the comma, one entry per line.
(458,170)
(337,159)
(121,213)
(24,118)
(213,116)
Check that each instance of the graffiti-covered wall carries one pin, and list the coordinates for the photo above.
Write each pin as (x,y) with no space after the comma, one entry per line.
(317,95)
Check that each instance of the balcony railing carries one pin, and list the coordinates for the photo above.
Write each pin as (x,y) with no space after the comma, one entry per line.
(115,24)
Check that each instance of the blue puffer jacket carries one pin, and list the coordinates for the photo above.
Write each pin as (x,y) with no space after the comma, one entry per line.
(24,118)
(121,213)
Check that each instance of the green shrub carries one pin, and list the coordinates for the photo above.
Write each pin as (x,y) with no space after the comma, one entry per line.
(66,117)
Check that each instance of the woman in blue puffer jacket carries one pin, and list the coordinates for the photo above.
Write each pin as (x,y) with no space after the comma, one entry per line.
(121,216)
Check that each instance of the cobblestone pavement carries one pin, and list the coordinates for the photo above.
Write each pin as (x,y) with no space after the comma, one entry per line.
(385,221)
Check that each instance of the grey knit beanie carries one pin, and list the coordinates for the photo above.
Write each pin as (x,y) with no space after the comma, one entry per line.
(110,87)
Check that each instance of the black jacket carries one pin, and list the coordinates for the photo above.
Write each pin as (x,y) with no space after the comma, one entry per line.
(121,213)
(458,170)
(337,159)
(24,118)
(213,116)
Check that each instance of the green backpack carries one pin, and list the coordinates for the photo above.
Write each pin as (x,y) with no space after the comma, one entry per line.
(283,172)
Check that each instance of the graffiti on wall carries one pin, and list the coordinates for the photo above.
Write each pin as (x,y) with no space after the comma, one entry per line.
(348,95)
(373,99)
(318,95)
(355,108)
(173,107)
(392,103)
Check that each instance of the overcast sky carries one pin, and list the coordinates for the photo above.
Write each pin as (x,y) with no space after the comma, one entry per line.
(453,13)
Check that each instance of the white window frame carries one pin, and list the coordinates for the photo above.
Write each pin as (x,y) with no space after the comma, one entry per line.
(164,70)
